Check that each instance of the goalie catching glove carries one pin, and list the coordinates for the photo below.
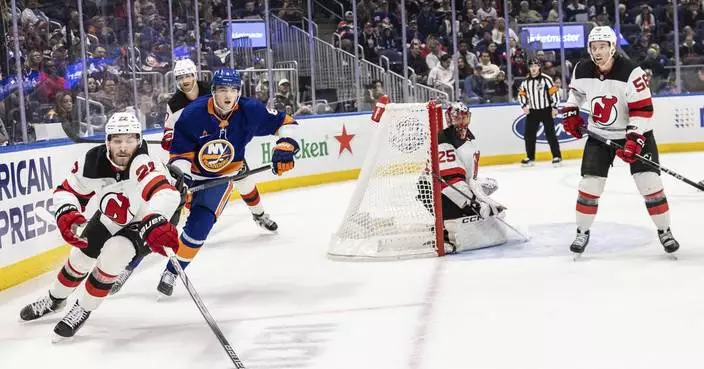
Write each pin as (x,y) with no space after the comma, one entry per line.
(284,152)
(68,218)
(157,233)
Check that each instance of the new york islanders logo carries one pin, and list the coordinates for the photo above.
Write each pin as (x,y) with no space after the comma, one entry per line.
(216,155)
(604,110)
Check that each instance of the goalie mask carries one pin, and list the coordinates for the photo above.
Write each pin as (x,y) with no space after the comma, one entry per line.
(185,73)
(458,115)
(123,136)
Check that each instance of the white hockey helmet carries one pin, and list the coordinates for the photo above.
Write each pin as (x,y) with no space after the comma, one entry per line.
(458,113)
(122,123)
(184,67)
(602,33)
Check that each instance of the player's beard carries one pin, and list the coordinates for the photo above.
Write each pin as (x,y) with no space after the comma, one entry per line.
(121,158)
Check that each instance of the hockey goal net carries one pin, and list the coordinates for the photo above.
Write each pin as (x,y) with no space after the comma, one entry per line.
(395,210)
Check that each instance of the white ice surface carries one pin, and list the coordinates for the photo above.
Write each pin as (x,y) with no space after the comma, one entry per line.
(283,304)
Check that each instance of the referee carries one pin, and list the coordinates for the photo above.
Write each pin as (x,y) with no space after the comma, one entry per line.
(539,98)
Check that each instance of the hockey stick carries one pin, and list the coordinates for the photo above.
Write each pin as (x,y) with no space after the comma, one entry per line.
(89,141)
(439,178)
(648,162)
(236,177)
(49,218)
(203,310)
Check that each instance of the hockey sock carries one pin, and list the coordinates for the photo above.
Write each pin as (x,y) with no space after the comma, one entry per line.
(252,200)
(650,186)
(98,286)
(590,189)
(198,225)
(71,274)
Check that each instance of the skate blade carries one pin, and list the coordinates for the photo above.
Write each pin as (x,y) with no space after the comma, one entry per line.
(672,257)
(56,339)
(576,256)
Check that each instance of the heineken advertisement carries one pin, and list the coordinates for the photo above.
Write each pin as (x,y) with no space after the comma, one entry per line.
(309,149)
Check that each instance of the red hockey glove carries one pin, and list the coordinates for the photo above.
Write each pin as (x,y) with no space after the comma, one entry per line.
(634,145)
(166,140)
(68,218)
(573,123)
(284,151)
(157,233)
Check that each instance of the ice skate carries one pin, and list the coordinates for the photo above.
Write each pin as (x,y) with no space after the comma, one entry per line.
(527,162)
(46,305)
(265,222)
(121,281)
(71,323)
(668,241)
(580,243)
(166,284)
(556,162)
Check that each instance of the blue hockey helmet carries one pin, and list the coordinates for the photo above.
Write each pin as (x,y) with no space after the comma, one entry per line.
(226,77)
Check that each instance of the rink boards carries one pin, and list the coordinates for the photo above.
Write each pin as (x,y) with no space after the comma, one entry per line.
(332,149)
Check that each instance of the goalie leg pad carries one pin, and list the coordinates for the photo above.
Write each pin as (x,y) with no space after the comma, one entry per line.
(650,186)
(590,189)
(473,232)
(117,253)
(72,273)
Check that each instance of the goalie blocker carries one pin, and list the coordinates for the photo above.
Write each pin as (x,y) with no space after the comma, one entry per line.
(399,203)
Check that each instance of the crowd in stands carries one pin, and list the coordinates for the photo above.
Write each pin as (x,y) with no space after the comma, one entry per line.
(56,92)
(482,63)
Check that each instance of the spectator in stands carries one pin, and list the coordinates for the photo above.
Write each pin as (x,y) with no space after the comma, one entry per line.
(4,137)
(561,93)
(49,83)
(518,59)
(63,112)
(623,14)
(498,34)
(483,45)
(417,62)
(477,33)
(474,87)
(489,71)
(662,58)
(576,12)
(464,70)
(692,15)
(388,38)
(291,11)
(691,51)
(145,95)
(652,63)
(441,76)
(433,59)
(500,88)
(107,95)
(370,43)
(374,91)
(528,15)
(286,102)
(554,13)
(426,20)
(261,91)
(487,12)
(412,31)
(346,26)
(463,52)
(645,20)
(694,83)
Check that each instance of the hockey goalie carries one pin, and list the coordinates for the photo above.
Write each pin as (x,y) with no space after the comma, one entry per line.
(469,213)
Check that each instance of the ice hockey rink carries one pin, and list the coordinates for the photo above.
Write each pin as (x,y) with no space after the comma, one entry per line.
(283,304)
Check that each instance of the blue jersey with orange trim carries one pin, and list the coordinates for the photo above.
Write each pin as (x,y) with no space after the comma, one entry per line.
(215,146)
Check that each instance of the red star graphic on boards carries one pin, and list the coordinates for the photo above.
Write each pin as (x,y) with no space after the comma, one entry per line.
(345,140)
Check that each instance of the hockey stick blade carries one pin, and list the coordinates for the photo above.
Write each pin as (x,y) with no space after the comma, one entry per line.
(203,310)
(648,162)
(236,177)
(439,178)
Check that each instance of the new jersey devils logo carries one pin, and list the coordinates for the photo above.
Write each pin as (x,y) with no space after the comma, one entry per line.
(604,110)
(116,206)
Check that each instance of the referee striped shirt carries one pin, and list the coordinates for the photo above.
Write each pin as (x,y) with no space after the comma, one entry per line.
(538,93)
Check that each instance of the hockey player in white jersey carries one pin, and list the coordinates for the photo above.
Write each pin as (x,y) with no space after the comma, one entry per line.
(620,109)
(469,224)
(135,196)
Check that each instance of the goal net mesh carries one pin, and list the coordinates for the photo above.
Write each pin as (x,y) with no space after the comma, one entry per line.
(392,212)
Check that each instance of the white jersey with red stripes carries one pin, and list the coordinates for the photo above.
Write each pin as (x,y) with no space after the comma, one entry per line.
(619,101)
(459,165)
(124,196)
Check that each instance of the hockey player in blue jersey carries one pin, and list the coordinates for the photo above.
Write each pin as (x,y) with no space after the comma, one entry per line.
(209,142)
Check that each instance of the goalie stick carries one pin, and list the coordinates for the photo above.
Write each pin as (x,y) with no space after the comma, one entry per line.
(439,178)
(49,218)
(648,162)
